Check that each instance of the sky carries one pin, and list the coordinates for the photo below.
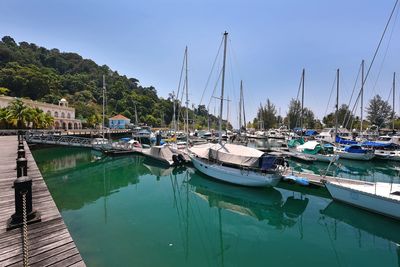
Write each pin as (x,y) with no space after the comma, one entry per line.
(269,44)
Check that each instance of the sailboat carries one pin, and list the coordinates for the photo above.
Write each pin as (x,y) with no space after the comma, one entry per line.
(233,163)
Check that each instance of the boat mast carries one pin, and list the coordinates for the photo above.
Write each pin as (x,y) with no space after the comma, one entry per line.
(302,100)
(173,115)
(394,96)
(337,104)
(240,109)
(222,89)
(362,95)
(187,95)
(227,113)
(104,102)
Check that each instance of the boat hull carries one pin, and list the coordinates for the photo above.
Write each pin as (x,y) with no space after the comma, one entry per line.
(236,176)
(355,156)
(365,200)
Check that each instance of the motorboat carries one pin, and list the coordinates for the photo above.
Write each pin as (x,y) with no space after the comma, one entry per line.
(379,197)
(166,155)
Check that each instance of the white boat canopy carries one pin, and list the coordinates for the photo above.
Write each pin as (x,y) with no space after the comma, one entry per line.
(308,145)
(229,153)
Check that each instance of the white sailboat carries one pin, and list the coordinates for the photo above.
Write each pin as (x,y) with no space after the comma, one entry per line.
(233,163)
(382,198)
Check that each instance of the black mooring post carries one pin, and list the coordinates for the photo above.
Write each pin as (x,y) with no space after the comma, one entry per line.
(23,185)
(20,153)
(22,167)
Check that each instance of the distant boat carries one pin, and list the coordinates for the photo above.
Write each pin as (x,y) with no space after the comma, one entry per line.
(354,152)
(312,148)
(381,198)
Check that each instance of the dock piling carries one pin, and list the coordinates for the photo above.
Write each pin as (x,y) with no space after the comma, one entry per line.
(22,167)
(23,186)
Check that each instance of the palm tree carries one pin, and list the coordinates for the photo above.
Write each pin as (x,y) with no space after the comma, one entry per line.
(48,120)
(3,118)
(18,113)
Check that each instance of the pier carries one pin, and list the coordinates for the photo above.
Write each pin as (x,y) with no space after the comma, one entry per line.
(49,242)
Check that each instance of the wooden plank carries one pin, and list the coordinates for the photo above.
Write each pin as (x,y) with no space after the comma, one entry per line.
(50,242)
(47,254)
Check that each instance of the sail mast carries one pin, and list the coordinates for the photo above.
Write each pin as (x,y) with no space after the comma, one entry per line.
(244,114)
(222,89)
(337,104)
(394,97)
(104,102)
(187,94)
(302,101)
(240,109)
(362,95)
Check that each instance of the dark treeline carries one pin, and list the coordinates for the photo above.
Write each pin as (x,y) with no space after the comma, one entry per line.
(28,70)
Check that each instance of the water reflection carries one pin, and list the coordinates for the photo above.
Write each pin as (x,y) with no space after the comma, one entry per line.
(376,225)
(261,204)
(178,217)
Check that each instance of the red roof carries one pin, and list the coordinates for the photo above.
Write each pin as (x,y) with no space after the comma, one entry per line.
(119,117)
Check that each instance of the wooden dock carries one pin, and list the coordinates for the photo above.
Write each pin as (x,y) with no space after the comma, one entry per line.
(50,243)
(318,180)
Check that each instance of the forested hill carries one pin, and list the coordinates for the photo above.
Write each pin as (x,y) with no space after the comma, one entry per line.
(28,70)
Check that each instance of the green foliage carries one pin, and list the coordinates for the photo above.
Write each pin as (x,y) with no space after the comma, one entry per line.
(294,113)
(345,119)
(4,91)
(17,114)
(379,111)
(28,70)
(267,115)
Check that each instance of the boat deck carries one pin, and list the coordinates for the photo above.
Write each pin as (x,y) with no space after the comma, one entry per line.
(386,190)
(50,243)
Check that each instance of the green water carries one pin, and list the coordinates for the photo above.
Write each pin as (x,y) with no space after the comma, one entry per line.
(125,212)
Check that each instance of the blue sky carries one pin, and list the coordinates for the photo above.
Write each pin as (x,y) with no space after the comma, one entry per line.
(270,42)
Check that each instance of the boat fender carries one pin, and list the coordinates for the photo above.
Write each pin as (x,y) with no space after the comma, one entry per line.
(175,159)
(181,159)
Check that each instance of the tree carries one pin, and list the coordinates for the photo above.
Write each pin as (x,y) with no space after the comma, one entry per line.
(18,113)
(4,91)
(294,113)
(267,115)
(379,111)
(345,118)
(309,119)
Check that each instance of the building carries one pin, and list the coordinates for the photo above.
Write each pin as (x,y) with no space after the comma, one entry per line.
(64,116)
(118,122)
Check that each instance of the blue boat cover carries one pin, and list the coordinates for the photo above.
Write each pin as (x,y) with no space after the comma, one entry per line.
(268,162)
(345,141)
(125,139)
(378,145)
(311,133)
(355,149)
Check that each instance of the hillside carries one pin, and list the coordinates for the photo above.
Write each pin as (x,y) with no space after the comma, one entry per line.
(48,75)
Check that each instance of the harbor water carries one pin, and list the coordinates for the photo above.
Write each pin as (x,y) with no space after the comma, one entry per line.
(126,211)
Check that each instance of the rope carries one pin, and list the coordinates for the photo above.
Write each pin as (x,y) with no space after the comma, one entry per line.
(25,232)
(212,69)
(348,113)
(376,50)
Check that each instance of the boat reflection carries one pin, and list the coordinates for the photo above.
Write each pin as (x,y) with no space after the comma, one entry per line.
(160,171)
(262,204)
(373,224)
